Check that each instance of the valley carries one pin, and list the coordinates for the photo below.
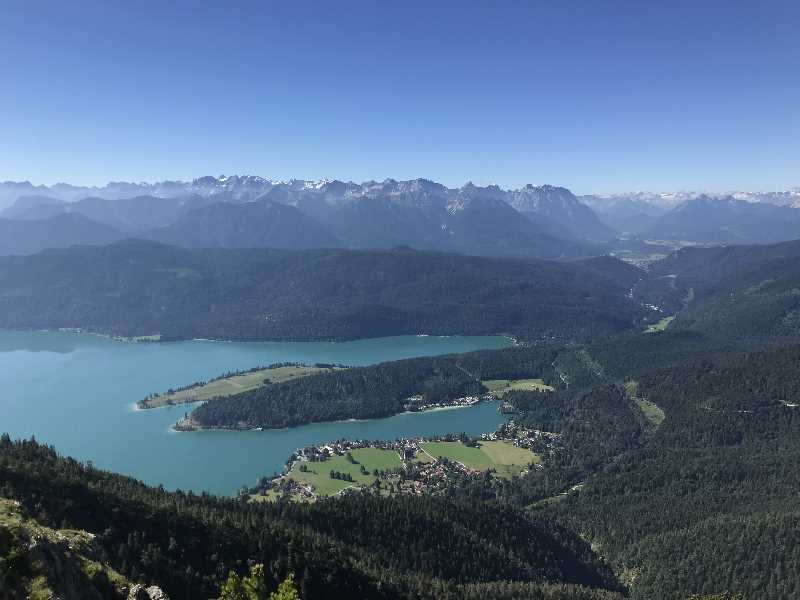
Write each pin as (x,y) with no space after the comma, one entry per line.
(399,300)
(608,377)
(573,432)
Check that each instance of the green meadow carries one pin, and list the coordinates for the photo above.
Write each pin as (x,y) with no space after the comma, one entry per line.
(500,387)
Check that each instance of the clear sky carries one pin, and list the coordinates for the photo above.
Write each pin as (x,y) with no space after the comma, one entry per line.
(599,96)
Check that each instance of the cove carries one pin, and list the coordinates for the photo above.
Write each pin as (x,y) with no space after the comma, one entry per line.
(76,392)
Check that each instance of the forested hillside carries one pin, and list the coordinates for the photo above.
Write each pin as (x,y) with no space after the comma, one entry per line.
(682,472)
(356,547)
(370,392)
(743,292)
(708,503)
(726,220)
(139,288)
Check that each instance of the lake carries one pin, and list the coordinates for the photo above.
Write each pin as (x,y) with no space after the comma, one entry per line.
(77,392)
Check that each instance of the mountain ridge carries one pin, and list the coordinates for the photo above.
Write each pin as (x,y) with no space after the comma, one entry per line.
(133,285)
(420,213)
(726,220)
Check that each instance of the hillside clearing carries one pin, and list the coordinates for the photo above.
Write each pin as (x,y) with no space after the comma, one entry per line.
(229,386)
(661,325)
(650,410)
(500,387)
(318,473)
(505,458)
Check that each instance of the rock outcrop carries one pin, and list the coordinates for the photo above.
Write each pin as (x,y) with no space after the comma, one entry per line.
(139,592)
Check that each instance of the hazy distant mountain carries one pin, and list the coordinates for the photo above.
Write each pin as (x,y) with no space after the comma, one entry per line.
(261,224)
(557,212)
(726,221)
(11,190)
(423,214)
(383,223)
(381,215)
(481,218)
(234,188)
(220,225)
(550,204)
(139,213)
(242,188)
(419,213)
(60,231)
(131,215)
(785,198)
(629,213)
(34,207)
(635,212)
(542,221)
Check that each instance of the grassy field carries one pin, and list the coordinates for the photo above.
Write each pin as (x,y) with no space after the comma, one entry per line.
(229,386)
(500,387)
(509,459)
(377,458)
(505,458)
(661,325)
(138,338)
(651,411)
(318,473)
(474,458)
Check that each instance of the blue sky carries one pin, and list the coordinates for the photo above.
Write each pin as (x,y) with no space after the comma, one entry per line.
(599,96)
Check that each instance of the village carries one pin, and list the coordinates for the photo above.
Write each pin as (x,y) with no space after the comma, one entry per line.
(416,403)
(405,466)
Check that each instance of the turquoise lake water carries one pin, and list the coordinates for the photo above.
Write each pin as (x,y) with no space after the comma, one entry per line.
(77,393)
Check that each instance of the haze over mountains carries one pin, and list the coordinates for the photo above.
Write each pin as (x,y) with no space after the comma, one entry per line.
(247,211)
(637,211)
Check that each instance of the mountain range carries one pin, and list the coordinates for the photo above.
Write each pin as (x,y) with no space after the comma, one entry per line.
(69,229)
(542,221)
(637,211)
(713,220)
(237,211)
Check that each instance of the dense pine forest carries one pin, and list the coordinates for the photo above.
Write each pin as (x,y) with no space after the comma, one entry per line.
(371,392)
(739,292)
(702,501)
(136,288)
(365,547)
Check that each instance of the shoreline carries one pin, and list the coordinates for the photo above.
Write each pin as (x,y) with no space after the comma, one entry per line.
(351,420)
(330,449)
(134,407)
(167,340)
(143,404)
(189,394)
